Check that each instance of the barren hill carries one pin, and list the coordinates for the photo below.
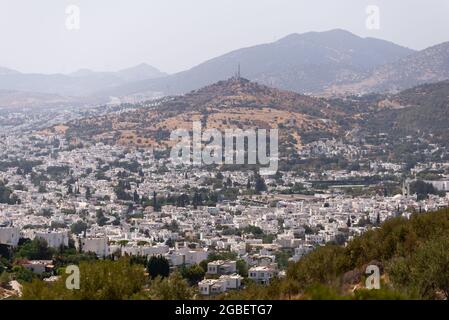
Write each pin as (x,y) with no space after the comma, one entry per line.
(230,104)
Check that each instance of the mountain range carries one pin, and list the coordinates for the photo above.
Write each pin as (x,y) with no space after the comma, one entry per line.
(76,87)
(426,66)
(329,63)
(304,63)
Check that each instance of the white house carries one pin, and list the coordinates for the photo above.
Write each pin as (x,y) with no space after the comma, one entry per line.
(213,210)
(187,256)
(211,286)
(145,251)
(260,260)
(439,185)
(233,281)
(220,285)
(262,274)
(222,267)
(55,239)
(99,246)
(9,236)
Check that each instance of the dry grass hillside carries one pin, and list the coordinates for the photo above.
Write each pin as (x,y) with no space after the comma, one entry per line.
(231,104)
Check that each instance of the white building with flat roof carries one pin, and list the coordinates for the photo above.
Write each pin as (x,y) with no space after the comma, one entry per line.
(233,281)
(187,256)
(220,285)
(9,236)
(262,274)
(99,246)
(145,251)
(222,267)
(439,185)
(55,239)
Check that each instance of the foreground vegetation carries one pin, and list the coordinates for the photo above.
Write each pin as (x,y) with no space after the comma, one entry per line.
(412,255)
(111,280)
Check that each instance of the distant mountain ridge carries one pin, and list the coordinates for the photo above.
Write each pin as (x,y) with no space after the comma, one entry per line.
(426,66)
(6,71)
(304,63)
(20,99)
(330,63)
(80,83)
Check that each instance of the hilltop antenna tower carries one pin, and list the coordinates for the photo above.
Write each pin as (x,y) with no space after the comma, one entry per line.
(237,74)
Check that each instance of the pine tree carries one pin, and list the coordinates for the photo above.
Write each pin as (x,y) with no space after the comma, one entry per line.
(195,201)
(155,204)
(260,183)
(158,266)
(88,193)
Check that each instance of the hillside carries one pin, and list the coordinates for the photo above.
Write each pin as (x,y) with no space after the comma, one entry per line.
(421,110)
(309,62)
(240,103)
(429,65)
(20,99)
(234,103)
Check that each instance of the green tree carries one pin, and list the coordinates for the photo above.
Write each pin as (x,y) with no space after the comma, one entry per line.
(5,278)
(156,205)
(426,269)
(422,189)
(193,274)
(22,274)
(259,183)
(242,267)
(99,280)
(36,250)
(158,266)
(136,197)
(78,227)
(173,287)
(101,219)
(88,193)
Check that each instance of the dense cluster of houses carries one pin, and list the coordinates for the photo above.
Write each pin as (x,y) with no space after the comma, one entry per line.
(63,186)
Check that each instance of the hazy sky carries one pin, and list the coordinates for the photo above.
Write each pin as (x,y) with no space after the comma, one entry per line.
(174,35)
